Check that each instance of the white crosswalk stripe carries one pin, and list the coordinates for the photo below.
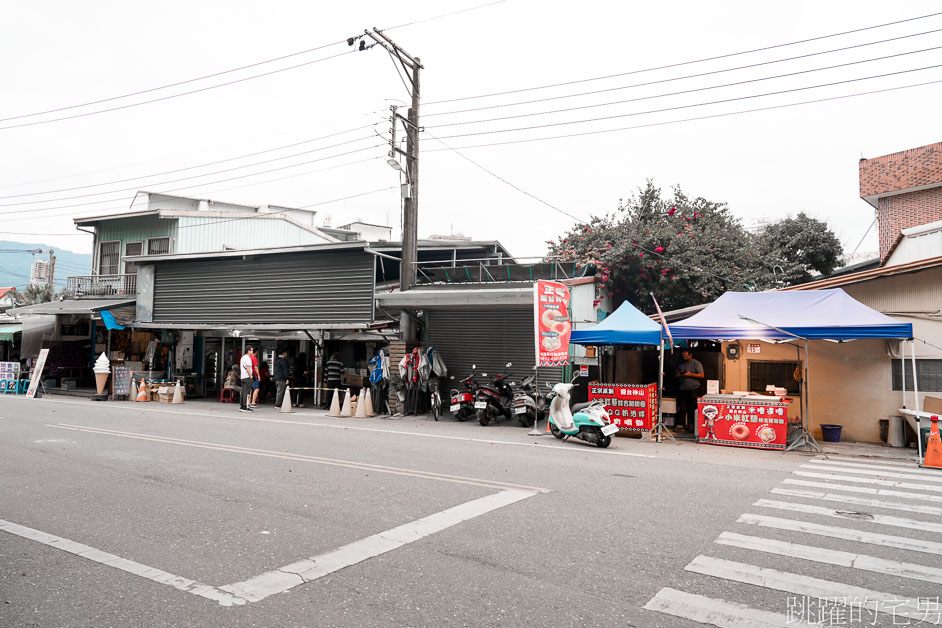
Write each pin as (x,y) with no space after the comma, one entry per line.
(858,488)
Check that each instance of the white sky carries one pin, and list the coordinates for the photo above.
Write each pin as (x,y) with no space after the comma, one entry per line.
(777,162)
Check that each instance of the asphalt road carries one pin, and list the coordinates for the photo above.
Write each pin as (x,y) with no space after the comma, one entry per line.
(197,515)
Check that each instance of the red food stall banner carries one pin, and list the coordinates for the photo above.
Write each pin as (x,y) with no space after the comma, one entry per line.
(630,406)
(761,425)
(551,309)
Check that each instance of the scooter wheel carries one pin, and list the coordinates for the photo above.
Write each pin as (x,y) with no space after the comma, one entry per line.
(555,431)
(604,442)
(484,418)
(525,419)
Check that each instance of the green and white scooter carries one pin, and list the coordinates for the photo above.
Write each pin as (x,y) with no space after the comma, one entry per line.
(585,421)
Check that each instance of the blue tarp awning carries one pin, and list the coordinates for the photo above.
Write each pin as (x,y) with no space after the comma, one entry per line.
(813,314)
(109,320)
(625,326)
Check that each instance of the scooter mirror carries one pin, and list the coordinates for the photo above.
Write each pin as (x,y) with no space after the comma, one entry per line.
(483,374)
(452,377)
(509,364)
(474,367)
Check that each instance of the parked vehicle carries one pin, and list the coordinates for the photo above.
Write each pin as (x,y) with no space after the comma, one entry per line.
(586,421)
(529,405)
(462,403)
(494,400)
(434,399)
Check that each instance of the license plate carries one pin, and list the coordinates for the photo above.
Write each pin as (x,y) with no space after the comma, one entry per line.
(480,405)
(520,410)
(608,430)
(455,407)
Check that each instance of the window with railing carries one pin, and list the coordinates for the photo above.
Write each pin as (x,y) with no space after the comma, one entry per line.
(108,257)
(928,372)
(130,249)
(158,246)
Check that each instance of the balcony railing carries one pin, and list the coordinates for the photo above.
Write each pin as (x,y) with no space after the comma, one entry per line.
(101,285)
(495,271)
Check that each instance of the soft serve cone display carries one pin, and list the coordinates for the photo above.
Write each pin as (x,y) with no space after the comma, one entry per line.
(102,369)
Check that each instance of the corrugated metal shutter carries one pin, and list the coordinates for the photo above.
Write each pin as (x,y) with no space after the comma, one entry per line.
(489,338)
(306,287)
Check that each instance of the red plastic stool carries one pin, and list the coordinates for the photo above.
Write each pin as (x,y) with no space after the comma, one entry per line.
(228,395)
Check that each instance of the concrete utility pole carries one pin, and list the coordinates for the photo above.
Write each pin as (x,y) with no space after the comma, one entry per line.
(410,209)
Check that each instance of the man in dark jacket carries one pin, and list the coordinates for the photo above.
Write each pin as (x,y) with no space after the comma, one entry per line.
(281,377)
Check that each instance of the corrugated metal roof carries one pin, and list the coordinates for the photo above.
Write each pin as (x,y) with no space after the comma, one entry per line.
(72,306)
(330,246)
(867,275)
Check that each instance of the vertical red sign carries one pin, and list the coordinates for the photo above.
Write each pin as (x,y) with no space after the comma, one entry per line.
(552,325)
(630,406)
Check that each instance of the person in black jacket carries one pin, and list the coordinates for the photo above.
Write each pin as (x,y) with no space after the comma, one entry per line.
(281,377)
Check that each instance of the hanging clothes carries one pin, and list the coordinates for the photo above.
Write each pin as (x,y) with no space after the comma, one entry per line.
(438,364)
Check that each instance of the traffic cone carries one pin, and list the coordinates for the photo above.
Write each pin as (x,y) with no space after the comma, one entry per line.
(933,456)
(347,409)
(361,406)
(369,404)
(286,402)
(177,393)
(334,404)
(142,392)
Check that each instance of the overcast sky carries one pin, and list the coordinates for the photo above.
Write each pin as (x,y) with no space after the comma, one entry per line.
(777,162)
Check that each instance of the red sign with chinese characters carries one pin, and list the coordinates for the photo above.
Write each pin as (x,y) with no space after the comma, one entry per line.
(738,423)
(551,309)
(631,407)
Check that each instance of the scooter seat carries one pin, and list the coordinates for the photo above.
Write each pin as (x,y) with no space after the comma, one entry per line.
(581,406)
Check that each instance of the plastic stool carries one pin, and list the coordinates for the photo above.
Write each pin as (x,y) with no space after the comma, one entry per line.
(228,395)
(8,386)
(22,386)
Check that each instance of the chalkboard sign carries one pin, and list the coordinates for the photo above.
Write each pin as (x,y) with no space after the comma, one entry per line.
(120,380)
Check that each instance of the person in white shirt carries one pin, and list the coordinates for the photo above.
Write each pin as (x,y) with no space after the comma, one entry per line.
(246,369)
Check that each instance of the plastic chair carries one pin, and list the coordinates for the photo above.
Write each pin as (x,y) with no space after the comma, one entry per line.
(228,395)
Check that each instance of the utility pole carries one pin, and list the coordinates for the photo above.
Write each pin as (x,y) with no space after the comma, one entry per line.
(411,65)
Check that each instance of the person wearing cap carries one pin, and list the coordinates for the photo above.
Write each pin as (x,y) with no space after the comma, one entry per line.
(281,376)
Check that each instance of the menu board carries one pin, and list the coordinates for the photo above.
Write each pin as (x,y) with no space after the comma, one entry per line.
(120,380)
(632,407)
(738,422)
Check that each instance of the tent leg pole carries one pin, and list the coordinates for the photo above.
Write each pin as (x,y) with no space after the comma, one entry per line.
(806,440)
(660,431)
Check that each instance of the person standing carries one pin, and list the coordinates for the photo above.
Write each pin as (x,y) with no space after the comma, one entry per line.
(689,373)
(246,370)
(333,371)
(256,378)
(281,377)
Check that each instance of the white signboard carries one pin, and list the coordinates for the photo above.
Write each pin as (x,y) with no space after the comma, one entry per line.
(37,373)
(713,386)
(756,348)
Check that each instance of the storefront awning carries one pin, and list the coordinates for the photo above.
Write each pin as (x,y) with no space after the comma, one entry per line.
(72,306)
(447,298)
(108,318)
(7,331)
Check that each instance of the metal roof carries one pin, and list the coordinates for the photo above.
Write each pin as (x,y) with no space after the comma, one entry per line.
(330,246)
(72,306)
(867,275)
(432,299)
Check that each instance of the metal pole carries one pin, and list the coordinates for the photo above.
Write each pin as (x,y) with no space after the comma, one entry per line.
(912,344)
(660,391)
(902,367)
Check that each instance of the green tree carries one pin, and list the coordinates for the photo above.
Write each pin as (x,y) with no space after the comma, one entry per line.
(38,293)
(805,247)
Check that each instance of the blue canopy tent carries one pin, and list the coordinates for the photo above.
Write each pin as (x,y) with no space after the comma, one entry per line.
(628,326)
(787,316)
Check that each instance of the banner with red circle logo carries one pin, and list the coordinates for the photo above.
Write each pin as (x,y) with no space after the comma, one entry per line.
(553,325)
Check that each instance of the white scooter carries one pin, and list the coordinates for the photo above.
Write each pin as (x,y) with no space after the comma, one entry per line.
(586,421)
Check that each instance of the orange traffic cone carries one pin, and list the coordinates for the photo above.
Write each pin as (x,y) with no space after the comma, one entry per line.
(933,456)
(142,392)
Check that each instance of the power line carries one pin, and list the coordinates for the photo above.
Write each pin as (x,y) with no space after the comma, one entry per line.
(683,63)
(438,17)
(203,165)
(679,78)
(693,119)
(703,104)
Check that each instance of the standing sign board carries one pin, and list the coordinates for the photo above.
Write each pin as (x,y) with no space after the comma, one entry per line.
(553,327)
(37,373)
(632,407)
(120,380)
(739,422)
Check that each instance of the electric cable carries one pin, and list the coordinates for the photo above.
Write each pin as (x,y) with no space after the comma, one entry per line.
(683,63)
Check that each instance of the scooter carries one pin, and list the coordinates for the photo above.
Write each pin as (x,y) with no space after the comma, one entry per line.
(494,400)
(462,403)
(528,405)
(586,421)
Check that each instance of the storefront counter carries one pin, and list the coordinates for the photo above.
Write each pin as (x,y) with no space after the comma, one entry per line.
(735,421)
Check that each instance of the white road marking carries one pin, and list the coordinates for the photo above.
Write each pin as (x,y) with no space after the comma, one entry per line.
(858,501)
(923,476)
(886,520)
(714,612)
(827,556)
(302,458)
(849,534)
(906,464)
(177,582)
(289,576)
(575,448)
(850,478)
(817,588)
(301,572)
(850,467)
(865,490)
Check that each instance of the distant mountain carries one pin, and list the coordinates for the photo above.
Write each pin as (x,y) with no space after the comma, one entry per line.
(15,265)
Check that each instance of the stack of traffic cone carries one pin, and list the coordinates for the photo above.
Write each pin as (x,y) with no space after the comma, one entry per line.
(142,392)
(347,409)
(933,456)
(286,403)
(334,404)
(177,393)
(361,407)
